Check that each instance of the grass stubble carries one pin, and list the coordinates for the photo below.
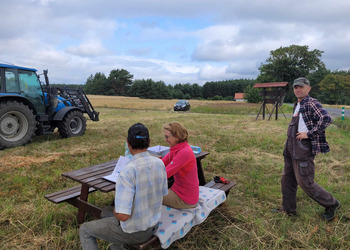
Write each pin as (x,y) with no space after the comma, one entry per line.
(241,149)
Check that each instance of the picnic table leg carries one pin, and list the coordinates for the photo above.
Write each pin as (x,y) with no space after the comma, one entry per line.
(201,178)
(83,196)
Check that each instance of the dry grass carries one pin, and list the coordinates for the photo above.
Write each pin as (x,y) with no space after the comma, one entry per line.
(143,104)
(241,149)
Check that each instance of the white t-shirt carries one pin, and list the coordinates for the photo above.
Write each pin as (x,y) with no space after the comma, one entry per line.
(301,126)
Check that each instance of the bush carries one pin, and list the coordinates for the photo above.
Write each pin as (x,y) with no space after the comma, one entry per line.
(187,96)
(251,94)
(216,98)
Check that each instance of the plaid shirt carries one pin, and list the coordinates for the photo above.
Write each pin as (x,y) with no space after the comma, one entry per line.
(316,119)
(139,192)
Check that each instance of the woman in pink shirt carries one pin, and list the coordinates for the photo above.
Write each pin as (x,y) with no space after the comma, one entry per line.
(180,163)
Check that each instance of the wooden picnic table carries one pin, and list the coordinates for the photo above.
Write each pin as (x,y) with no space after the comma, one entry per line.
(91,179)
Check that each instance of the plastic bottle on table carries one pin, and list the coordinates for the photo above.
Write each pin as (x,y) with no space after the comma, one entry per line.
(196,149)
(127,153)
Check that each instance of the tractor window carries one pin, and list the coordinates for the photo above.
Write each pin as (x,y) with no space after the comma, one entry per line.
(30,87)
(10,78)
(29,83)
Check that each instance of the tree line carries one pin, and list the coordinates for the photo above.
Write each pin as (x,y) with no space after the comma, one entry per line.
(120,82)
(283,65)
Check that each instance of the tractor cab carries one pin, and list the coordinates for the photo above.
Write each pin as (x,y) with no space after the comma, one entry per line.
(24,82)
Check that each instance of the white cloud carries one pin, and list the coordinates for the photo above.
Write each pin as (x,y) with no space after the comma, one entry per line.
(209,72)
(87,49)
(173,41)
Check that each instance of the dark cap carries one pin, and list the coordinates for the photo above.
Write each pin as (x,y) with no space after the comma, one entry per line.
(301,81)
(138,131)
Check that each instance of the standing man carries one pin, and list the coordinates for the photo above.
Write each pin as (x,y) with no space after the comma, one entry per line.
(139,191)
(306,138)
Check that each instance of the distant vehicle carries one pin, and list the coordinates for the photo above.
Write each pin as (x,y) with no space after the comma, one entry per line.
(182,105)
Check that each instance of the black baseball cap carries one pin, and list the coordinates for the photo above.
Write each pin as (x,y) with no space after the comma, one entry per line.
(138,131)
(301,81)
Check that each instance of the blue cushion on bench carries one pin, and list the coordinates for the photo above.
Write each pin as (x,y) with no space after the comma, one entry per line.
(176,223)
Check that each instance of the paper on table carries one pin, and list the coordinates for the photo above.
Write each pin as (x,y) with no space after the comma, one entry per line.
(122,161)
(158,150)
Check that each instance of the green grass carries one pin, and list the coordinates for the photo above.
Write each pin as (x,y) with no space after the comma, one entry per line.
(239,108)
(342,124)
(241,149)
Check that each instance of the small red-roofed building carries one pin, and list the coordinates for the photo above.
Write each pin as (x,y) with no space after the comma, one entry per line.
(239,97)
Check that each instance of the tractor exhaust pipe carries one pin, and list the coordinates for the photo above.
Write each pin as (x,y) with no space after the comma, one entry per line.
(46,77)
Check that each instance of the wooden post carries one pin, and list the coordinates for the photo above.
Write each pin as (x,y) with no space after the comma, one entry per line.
(264,103)
(83,196)
(200,173)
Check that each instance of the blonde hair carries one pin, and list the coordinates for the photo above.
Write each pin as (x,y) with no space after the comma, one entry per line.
(177,130)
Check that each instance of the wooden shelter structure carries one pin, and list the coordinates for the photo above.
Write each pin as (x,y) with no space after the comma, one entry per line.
(272,93)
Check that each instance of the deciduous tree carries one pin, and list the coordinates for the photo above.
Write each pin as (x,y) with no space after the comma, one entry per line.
(285,64)
(336,89)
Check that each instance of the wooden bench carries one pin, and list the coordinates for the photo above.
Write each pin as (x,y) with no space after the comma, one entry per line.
(154,241)
(69,195)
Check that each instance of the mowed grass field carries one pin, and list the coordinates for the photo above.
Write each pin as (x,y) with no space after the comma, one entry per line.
(241,149)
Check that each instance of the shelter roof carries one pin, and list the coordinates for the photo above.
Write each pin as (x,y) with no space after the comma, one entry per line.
(271,85)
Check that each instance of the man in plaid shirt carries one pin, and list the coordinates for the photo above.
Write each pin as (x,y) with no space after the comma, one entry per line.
(306,138)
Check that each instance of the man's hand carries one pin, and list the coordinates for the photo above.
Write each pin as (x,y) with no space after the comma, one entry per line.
(121,217)
(302,135)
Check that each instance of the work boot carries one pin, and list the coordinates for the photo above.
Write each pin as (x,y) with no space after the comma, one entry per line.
(331,211)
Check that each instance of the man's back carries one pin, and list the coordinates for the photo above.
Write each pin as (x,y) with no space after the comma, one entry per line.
(140,188)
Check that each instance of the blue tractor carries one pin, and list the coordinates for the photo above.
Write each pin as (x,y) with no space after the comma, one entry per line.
(28,107)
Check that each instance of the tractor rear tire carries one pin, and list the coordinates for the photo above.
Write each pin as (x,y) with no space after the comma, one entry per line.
(73,124)
(17,124)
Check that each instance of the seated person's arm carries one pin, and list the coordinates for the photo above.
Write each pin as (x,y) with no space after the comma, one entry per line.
(121,217)
(178,162)
(166,159)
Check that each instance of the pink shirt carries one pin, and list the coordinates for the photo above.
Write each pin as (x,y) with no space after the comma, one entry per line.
(181,163)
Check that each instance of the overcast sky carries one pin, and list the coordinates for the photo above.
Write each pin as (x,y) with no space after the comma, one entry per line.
(176,41)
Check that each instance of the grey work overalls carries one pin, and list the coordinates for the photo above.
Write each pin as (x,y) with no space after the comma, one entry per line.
(299,169)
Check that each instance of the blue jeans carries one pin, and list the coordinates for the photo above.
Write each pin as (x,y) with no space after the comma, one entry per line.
(108,228)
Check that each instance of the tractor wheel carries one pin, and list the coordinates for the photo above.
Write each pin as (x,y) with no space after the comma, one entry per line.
(17,124)
(73,124)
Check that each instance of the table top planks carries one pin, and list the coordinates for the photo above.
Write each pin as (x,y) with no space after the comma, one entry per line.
(92,176)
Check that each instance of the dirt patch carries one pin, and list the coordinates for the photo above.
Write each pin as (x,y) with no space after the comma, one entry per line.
(13,161)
